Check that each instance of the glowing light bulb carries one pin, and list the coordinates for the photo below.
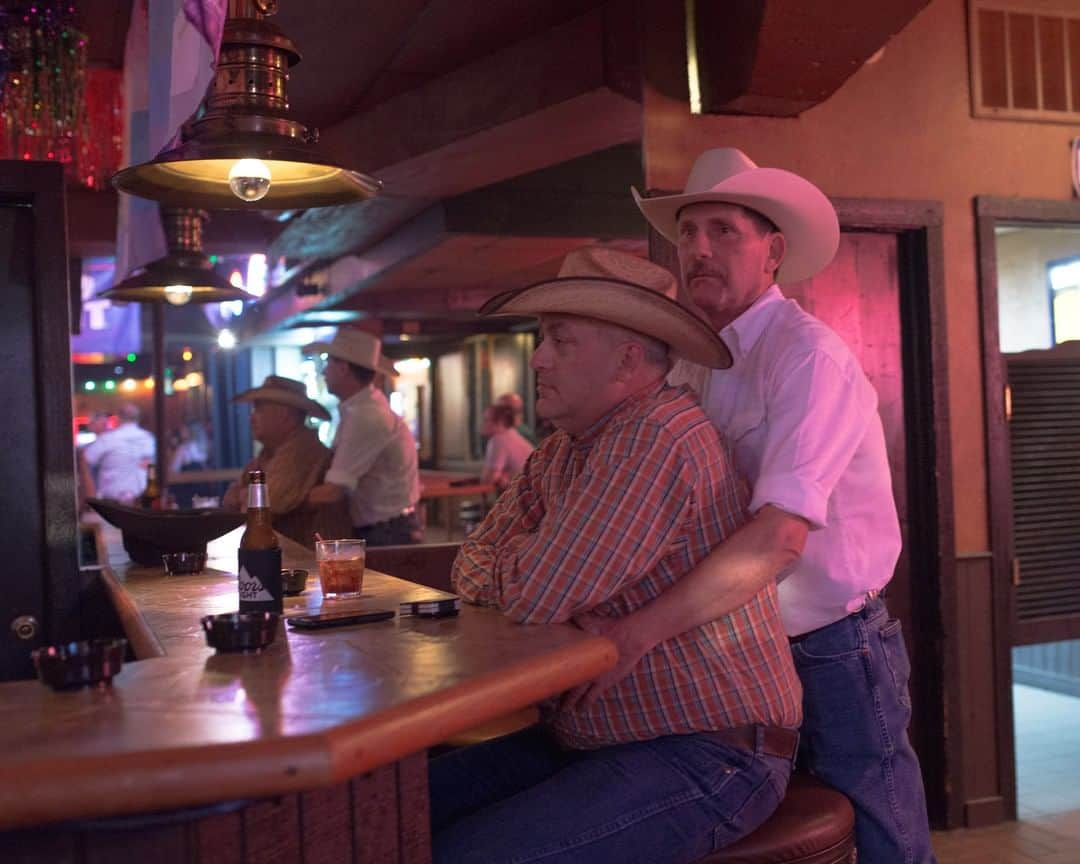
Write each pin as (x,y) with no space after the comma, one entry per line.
(249,179)
(226,339)
(178,295)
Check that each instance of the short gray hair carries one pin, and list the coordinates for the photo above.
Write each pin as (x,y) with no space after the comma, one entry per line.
(656,353)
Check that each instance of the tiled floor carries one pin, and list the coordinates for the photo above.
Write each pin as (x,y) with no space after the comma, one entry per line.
(1047,763)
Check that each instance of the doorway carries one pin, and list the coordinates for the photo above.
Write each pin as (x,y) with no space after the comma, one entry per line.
(1029,269)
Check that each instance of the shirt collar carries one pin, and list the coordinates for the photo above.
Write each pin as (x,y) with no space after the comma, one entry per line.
(742,333)
(358,398)
(587,438)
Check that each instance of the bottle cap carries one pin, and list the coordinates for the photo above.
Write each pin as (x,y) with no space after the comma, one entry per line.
(256,475)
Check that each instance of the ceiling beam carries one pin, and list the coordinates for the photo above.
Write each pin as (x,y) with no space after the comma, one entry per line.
(781,57)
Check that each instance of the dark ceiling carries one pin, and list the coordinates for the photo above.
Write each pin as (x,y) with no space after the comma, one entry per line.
(493,126)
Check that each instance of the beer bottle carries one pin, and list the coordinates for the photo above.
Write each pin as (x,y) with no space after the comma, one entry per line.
(151,496)
(259,568)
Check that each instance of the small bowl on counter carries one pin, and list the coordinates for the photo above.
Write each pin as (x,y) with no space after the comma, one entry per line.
(184,563)
(246,632)
(293,582)
(80,664)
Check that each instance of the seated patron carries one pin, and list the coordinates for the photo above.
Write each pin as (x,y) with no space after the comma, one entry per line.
(694,748)
(516,404)
(292,456)
(506,450)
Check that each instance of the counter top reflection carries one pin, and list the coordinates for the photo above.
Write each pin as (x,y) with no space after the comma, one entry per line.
(190,726)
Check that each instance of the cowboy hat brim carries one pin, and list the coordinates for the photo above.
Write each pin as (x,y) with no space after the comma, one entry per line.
(385,364)
(797,207)
(617,302)
(284,397)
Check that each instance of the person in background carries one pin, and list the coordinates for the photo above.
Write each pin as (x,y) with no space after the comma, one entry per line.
(292,457)
(516,404)
(506,450)
(118,458)
(804,428)
(192,452)
(374,467)
(97,425)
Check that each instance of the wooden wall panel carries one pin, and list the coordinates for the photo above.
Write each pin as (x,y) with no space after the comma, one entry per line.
(982,788)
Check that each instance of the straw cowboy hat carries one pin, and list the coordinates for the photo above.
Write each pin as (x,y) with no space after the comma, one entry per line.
(355,346)
(619,289)
(284,391)
(796,206)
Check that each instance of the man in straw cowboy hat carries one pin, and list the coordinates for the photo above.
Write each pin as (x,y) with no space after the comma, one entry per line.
(694,748)
(375,463)
(802,419)
(292,456)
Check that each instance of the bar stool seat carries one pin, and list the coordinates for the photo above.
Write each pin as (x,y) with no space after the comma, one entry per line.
(813,825)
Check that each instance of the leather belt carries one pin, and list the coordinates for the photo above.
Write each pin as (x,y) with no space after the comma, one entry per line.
(776,740)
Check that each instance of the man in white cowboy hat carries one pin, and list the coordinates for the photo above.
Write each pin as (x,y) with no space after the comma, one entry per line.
(802,420)
(292,457)
(375,463)
(633,489)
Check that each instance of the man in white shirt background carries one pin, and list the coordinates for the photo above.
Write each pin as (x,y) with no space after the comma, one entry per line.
(801,418)
(374,463)
(119,458)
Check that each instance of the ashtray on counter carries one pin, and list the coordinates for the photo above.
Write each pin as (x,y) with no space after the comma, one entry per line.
(293,582)
(79,664)
(181,563)
(240,631)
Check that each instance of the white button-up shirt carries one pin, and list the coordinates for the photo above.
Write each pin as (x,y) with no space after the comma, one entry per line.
(802,421)
(374,459)
(119,458)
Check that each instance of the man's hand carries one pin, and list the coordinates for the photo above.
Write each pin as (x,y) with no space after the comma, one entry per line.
(325,493)
(630,647)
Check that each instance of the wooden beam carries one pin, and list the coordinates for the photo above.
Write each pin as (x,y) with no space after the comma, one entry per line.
(544,100)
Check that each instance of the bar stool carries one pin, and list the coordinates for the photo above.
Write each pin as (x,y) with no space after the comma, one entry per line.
(813,825)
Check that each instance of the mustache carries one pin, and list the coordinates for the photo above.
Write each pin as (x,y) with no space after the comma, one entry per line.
(702,270)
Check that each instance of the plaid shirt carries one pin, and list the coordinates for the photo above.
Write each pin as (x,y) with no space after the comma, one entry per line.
(605,522)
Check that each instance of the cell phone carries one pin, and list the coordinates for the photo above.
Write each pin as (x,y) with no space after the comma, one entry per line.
(338,619)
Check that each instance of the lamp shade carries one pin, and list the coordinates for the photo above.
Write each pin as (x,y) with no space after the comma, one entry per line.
(184,274)
(241,150)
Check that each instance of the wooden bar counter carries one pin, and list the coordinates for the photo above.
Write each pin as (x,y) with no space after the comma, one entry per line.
(330,726)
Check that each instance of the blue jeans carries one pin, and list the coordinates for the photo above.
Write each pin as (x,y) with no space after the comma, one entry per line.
(856,710)
(523,798)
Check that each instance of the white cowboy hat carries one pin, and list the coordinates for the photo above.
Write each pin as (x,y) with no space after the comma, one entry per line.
(355,346)
(796,206)
(284,391)
(620,289)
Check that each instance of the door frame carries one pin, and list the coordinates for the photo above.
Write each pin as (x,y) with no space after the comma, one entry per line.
(918,227)
(40,187)
(989,213)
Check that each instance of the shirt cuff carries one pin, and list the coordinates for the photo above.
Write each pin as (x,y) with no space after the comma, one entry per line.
(339,478)
(792,495)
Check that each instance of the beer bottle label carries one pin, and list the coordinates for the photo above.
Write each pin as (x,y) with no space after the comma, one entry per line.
(259,580)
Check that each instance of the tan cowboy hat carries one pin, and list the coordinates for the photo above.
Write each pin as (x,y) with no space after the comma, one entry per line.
(354,346)
(284,391)
(796,206)
(620,289)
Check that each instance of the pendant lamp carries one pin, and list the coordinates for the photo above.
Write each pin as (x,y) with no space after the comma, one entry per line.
(184,274)
(241,149)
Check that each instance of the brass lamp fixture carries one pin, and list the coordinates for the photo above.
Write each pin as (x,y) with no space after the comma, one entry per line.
(241,149)
(184,275)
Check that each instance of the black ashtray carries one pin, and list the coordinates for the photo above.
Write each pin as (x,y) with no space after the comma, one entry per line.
(293,582)
(79,664)
(249,632)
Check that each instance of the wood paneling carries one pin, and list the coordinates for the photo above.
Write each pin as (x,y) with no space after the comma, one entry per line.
(377,818)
